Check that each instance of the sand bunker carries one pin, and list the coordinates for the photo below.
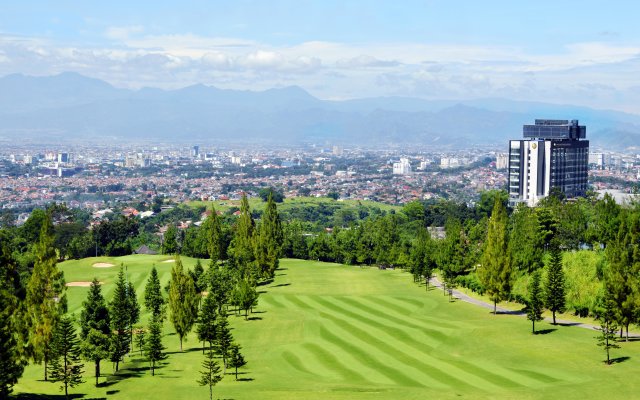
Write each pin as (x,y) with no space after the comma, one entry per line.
(169,261)
(102,265)
(81,284)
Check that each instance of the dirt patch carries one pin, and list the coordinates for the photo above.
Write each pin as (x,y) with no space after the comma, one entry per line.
(80,284)
(169,261)
(103,265)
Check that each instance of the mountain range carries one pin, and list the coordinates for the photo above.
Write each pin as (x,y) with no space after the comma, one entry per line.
(70,106)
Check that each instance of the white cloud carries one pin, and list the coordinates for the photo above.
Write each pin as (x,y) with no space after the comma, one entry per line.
(123,32)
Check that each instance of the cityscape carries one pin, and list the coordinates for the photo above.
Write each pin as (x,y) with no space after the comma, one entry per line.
(319,200)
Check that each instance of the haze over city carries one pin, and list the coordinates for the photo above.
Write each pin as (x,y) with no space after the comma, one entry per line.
(571,52)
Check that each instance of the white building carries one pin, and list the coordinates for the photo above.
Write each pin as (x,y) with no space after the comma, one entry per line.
(402,168)
(502,161)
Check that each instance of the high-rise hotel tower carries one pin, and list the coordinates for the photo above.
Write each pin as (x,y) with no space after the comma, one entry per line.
(553,153)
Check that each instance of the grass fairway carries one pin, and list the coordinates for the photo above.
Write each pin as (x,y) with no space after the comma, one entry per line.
(326,331)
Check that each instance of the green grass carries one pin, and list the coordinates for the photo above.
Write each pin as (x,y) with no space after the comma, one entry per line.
(332,331)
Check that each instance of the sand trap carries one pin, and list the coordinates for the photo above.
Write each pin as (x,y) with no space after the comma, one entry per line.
(103,265)
(81,284)
(168,261)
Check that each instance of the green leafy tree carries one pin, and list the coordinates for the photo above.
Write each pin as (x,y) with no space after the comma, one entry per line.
(183,301)
(608,326)
(536,301)
(526,240)
(153,300)
(245,296)
(65,366)
(210,374)
(170,240)
(95,327)
(196,275)
(555,299)
(206,327)
(236,360)
(154,350)
(211,230)
(120,319)
(495,271)
(45,296)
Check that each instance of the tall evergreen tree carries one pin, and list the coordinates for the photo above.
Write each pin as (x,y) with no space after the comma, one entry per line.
(120,319)
(608,325)
(236,360)
(153,346)
(224,339)
(183,301)
(555,299)
(622,284)
(45,296)
(210,373)
(212,231)
(153,300)
(206,328)
(495,271)
(65,366)
(11,361)
(95,327)
(526,241)
(270,240)
(242,244)
(141,337)
(535,306)
(134,310)
(196,275)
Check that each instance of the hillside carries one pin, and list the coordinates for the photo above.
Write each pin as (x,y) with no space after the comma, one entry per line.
(70,106)
(331,331)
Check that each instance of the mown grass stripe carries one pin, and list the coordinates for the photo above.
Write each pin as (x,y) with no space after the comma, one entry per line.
(332,363)
(270,299)
(396,354)
(293,360)
(434,334)
(385,303)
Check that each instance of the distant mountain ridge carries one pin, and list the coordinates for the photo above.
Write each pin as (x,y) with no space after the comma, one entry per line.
(73,106)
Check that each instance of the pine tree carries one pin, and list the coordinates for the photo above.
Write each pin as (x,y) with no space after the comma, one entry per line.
(210,374)
(65,363)
(206,328)
(608,326)
(495,272)
(555,289)
(45,296)
(95,327)
(140,337)
(196,275)
(183,301)
(212,230)
(534,309)
(120,319)
(270,240)
(153,347)
(242,244)
(236,360)
(153,300)
(11,362)
(224,339)
(134,310)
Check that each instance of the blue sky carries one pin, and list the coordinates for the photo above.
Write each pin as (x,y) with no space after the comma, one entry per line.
(578,52)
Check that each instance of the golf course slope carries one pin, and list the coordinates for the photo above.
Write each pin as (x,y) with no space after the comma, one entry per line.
(327,331)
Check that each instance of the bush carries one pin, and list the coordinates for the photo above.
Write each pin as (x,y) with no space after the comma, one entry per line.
(470,282)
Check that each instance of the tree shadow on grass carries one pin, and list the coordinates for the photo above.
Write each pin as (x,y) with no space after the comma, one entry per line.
(112,392)
(568,323)
(281,284)
(619,360)
(265,283)
(254,318)
(509,312)
(245,379)
(545,331)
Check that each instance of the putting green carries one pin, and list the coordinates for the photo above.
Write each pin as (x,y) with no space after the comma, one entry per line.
(332,331)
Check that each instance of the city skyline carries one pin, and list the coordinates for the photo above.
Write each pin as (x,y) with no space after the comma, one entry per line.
(570,53)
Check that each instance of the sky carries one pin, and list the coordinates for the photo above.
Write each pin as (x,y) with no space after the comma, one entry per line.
(562,51)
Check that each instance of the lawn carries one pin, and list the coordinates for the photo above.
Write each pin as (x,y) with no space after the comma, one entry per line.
(331,331)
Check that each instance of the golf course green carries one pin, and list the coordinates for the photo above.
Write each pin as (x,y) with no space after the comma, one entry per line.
(328,331)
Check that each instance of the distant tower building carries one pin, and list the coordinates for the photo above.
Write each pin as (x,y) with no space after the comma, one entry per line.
(402,168)
(338,151)
(195,151)
(597,160)
(502,161)
(553,154)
